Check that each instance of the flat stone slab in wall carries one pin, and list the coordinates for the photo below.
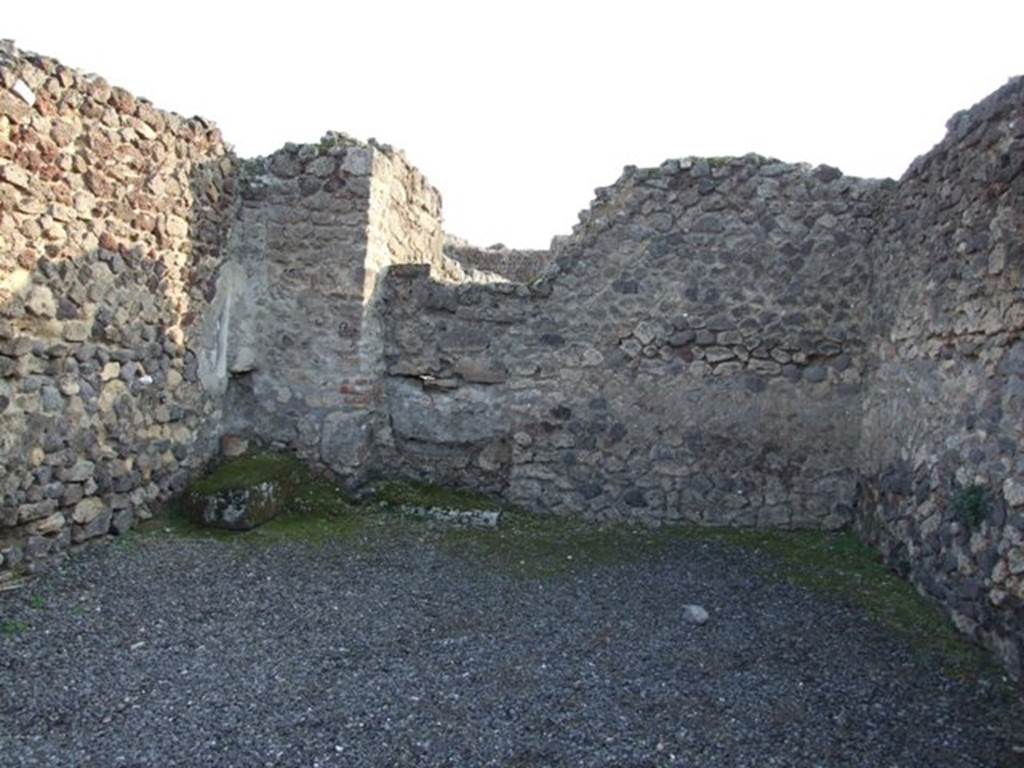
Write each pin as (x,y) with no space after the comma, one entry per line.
(465,415)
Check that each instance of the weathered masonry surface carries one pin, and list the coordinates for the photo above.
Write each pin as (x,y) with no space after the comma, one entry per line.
(729,341)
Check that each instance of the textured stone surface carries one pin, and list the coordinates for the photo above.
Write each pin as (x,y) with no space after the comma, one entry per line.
(730,341)
(316,226)
(945,406)
(237,509)
(113,217)
(696,355)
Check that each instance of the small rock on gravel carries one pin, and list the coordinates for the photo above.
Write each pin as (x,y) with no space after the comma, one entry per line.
(695,614)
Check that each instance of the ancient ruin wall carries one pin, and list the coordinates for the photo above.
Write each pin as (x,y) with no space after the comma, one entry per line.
(729,341)
(294,277)
(317,225)
(944,415)
(508,264)
(405,217)
(112,220)
(698,355)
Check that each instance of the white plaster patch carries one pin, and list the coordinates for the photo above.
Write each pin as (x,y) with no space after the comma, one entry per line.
(22,89)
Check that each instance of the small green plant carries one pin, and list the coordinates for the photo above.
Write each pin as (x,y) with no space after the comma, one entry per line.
(402,493)
(326,144)
(37,601)
(970,504)
(12,628)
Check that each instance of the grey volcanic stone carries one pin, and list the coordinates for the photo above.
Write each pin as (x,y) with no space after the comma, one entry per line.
(242,493)
(467,414)
(695,614)
(237,509)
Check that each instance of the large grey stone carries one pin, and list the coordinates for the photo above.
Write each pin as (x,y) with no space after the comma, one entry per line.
(345,441)
(242,493)
(237,509)
(465,415)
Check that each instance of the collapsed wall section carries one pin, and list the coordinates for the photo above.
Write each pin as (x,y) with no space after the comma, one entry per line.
(698,355)
(112,218)
(497,263)
(944,414)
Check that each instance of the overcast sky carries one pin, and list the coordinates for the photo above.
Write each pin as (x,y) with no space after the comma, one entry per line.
(516,111)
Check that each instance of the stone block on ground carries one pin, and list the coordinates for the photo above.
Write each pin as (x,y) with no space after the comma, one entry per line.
(243,493)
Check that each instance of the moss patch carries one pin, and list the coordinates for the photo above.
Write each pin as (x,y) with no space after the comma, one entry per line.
(970,504)
(247,471)
(835,565)
(12,628)
(245,492)
(542,546)
(402,493)
(316,510)
(294,524)
(840,567)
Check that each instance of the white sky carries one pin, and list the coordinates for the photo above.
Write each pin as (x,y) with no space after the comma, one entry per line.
(516,111)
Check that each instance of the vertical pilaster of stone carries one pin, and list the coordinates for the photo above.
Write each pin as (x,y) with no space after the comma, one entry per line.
(348,432)
(403,226)
(318,228)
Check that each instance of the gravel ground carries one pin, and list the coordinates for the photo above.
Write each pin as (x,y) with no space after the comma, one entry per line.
(164,651)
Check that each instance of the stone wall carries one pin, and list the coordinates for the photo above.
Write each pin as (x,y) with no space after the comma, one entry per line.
(507,264)
(294,290)
(697,355)
(112,220)
(316,227)
(405,216)
(944,416)
(157,293)
(726,340)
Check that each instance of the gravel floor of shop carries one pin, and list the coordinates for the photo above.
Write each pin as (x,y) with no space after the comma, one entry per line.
(376,639)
